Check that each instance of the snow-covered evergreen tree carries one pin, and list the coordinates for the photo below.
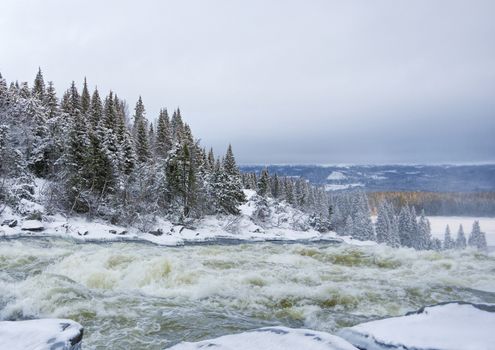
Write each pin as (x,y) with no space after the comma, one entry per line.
(264,184)
(477,238)
(460,242)
(448,242)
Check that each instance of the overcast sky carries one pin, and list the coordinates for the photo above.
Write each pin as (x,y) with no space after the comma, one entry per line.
(283,81)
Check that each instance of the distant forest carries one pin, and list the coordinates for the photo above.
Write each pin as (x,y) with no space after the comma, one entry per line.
(439,203)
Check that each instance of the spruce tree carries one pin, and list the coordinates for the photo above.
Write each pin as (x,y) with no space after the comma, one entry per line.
(382,226)
(349,226)
(96,109)
(141,142)
(264,184)
(163,135)
(39,86)
(50,101)
(460,242)
(448,242)
(85,99)
(477,238)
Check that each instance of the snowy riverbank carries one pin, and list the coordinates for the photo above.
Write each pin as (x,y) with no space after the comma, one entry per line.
(281,223)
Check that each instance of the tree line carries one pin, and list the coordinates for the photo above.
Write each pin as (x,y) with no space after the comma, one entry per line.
(101,163)
(439,203)
(396,226)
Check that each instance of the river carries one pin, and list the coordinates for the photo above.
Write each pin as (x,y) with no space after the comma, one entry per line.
(142,296)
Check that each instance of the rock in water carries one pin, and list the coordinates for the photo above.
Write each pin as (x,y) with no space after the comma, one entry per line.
(446,326)
(272,338)
(32,225)
(44,334)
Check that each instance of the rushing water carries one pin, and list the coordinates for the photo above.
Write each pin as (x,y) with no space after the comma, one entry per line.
(140,296)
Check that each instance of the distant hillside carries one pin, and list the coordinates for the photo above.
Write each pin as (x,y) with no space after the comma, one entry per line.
(374,178)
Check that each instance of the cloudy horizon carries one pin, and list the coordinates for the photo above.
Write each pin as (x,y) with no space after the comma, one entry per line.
(286,82)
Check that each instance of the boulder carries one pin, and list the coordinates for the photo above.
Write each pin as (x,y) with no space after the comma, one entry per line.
(10,223)
(445,326)
(44,334)
(273,338)
(157,232)
(32,225)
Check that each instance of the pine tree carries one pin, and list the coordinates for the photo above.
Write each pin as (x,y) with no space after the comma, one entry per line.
(477,238)
(406,227)
(85,99)
(228,188)
(349,226)
(163,135)
(264,184)
(382,226)
(39,86)
(460,242)
(448,242)
(363,227)
(229,163)
(76,164)
(423,235)
(50,101)
(152,140)
(141,142)
(139,116)
(110,113)
(177,125)
(275,187)
(96,109)
(181,179)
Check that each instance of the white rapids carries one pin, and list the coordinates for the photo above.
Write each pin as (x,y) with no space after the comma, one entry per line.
(142,296)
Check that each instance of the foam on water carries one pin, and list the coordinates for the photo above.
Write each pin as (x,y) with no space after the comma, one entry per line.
(131,295)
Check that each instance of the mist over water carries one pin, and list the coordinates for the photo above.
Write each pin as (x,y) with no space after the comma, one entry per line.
(141,296)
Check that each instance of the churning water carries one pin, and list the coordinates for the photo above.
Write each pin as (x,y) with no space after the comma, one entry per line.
(140,296)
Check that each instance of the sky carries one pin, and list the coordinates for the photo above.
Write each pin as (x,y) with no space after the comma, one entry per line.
(298,82)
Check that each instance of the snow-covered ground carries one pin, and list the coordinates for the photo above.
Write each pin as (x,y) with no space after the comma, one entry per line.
(438,224)
(272,338)
(450,326)
(282,222)
(44,334)
(340,187)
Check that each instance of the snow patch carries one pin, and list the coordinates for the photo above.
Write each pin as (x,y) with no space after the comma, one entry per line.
(44,334)
(273,338)
(443,327)
(336,175)
(339,187)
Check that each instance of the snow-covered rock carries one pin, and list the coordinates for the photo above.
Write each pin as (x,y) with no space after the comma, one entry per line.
(336,175)
(32,225)
(273,338)
(44,334)
(446,326)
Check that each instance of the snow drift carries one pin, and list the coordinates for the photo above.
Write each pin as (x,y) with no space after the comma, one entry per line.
(446,326)
(273,338)
(44,334)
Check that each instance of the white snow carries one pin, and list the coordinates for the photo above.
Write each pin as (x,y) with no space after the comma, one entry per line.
(377,177)
(272,338)
(339,187)
(336,175)
(283,222)
(444,327)
(32,225)
(438,224)
(44,334)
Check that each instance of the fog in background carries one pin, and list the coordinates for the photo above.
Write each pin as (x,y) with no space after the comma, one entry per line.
(283,81)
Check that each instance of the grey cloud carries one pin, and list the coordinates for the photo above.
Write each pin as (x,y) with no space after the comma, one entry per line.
(284,81)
